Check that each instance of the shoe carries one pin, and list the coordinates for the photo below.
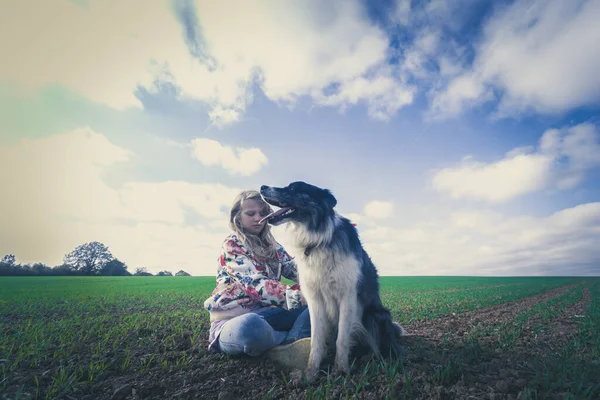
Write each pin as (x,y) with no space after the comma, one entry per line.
(293,355)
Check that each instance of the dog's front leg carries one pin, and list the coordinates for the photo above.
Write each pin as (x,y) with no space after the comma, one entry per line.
(319,329)
(348,320)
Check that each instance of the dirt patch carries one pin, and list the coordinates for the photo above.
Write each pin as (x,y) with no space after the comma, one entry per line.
(458,325)
(483,369)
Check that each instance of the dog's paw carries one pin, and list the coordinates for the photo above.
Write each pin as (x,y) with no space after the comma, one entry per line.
(301,379)
(341,368)
(311,374)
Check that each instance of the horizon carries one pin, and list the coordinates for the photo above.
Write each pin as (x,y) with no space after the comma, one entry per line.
(463,138)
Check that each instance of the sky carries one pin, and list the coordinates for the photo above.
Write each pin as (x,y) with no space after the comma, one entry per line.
(461,136)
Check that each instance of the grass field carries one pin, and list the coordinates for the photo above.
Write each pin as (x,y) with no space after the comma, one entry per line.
(146,337)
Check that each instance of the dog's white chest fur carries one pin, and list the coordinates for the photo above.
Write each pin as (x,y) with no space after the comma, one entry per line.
(329,279)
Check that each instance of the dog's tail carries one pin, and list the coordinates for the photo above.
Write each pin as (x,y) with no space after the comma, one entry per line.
(401,330)
(384,331)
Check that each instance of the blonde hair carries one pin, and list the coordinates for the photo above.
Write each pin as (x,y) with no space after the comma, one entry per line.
(263,246)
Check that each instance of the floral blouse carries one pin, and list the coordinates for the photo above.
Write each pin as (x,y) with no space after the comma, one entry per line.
(245,284)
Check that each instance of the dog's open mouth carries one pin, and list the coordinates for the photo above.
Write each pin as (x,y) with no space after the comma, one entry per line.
(284,211)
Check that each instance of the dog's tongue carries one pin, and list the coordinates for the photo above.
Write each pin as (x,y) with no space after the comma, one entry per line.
(274,214)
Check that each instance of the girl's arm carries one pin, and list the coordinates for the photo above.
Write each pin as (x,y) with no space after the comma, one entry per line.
(289,270)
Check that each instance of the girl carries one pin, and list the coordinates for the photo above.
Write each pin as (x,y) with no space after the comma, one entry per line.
(251,311)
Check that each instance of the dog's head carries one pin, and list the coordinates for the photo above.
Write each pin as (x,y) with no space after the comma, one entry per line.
(299,202)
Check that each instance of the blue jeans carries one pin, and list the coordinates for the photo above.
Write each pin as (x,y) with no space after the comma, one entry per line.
(255,333)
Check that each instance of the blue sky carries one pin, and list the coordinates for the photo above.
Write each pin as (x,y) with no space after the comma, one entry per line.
(463,137)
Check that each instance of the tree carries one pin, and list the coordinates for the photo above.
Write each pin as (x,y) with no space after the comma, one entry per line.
(142,272)
(182,273)
(164,273)
(41,269)
(114,267)
(89,258)
(64,270)
(9,266)
(9,259)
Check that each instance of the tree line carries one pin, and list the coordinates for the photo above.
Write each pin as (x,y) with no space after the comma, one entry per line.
(89,259)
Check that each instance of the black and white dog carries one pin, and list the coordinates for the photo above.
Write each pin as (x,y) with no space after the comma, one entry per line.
(337,277)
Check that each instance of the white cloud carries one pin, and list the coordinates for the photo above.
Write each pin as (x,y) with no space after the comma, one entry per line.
(238,160)
(499,181)
(55,198)
(539,55)
(292,51)
(422,51)
(561,160)
(55,174)
(576,150)
(463,91)
(382,93)
(169,198)
(223,116)
(379,209)
(310,47)
(488,243)
(355,217)
(401,12)
(61,42)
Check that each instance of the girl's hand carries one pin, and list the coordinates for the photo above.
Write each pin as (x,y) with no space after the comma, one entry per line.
(294,297)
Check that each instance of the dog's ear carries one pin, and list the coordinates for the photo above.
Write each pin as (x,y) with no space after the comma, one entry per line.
(329,199)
